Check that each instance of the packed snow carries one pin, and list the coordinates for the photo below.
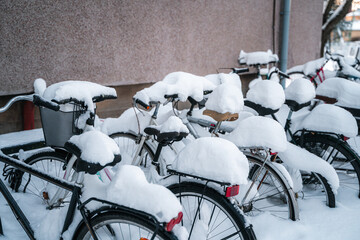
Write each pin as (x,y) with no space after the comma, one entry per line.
(181,83)
(258,132)
(300,90)
(95,147)
(206,156)
(266,93)
(225,98)
(260,57)
(39,86)
(344,91)
(173,124)
(79,90)
(311,67)
(160,202)
(330,118)
(298,158)
(221,78)
(29,136)
(348,70)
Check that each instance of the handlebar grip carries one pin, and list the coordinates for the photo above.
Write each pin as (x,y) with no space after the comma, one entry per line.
(240,70)
(41,102)
(141,103)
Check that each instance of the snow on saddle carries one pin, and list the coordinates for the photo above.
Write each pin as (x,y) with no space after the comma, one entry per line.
(94,151)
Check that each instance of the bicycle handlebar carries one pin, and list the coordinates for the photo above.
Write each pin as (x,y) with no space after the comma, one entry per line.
(240,70)
(16,99)
(237,70)
(42,102)
(141,103)
(282,74)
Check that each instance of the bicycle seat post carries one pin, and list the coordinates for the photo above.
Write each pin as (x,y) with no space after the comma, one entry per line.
(216,129)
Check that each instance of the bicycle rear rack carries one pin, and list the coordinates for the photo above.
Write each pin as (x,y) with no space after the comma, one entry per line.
(182,174)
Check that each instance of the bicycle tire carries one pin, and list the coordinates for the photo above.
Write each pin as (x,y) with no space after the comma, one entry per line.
(322,181)
(123,226)
(51,163)
(231,219)
(315,185)
(273,195)
(340,155)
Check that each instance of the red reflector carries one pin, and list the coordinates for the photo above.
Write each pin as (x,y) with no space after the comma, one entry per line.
(232,191)
(273,153)
(170,225)
(213,125)
(346,138)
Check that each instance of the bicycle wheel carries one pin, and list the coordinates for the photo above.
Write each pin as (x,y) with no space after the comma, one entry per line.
(129,144)
(270,192)
(122,226)
(52,163)
(340,155)
(208,214)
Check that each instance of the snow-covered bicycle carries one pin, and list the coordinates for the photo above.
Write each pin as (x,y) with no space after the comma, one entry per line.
(91,212)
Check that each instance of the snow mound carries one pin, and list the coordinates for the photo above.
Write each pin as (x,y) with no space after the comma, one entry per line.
(330,118)
(311,67)
(79,90)
(300,90)
(133,121)
(346,92)
(39,86)
(213,158)
(96,147)
(348,70)
(173,124)
(266,93)
(181,83)
(299,158)
(260,57)
(130,188)
(259,131)
(225,98)
(221,78)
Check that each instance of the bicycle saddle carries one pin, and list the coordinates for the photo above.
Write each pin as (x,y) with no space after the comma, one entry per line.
(165,136)
(94,151)
(265,97)
(171,130)
(299,94)
(219,117)
(295,106)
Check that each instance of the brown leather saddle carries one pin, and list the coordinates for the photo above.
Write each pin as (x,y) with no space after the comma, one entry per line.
(219,117)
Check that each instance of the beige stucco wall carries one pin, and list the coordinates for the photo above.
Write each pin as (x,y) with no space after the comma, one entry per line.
(122,43)
(125,42)
(305,31)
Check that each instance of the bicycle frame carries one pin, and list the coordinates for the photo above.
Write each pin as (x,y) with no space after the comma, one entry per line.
(75,188)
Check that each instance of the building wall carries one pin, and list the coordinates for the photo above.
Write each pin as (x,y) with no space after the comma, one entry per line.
(131,43)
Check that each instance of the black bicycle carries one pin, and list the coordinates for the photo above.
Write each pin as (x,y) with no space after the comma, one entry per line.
(109,220)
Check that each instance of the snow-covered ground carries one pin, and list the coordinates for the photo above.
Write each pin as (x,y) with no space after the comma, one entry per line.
(317,221)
